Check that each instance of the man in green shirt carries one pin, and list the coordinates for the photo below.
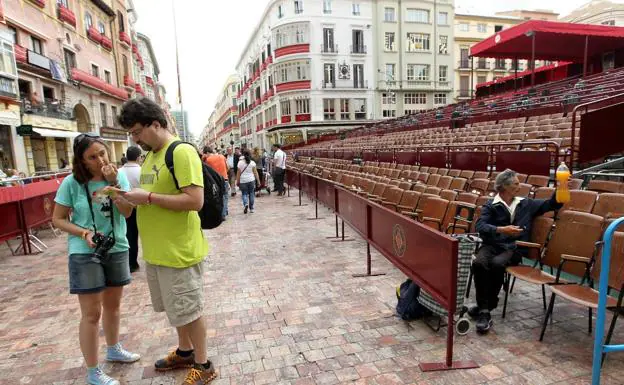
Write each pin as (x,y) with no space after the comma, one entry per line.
(171,236)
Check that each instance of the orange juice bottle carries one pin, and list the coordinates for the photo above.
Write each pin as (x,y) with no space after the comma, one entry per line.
(562,175)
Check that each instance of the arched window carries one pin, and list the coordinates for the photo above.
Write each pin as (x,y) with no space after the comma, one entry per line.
(88,20)
(101,28)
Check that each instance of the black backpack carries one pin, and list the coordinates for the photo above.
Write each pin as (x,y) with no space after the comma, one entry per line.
(211,214)
(408,307)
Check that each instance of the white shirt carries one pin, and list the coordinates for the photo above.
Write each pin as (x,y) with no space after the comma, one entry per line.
(230,161)
(280,159)
(247,175)
(133,173)
(511,208)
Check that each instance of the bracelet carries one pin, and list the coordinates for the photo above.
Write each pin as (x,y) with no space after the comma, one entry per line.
(149,198)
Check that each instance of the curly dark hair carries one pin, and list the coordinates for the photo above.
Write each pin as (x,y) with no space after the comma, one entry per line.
(143,111)
(81,144)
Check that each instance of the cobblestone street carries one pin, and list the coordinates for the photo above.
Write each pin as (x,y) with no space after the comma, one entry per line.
(282,307)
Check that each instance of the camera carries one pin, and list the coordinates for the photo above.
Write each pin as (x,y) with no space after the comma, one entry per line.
(103,243)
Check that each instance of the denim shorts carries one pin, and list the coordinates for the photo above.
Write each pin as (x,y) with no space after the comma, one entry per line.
(89,275)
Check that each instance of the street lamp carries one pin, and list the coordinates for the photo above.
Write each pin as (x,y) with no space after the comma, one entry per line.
(232,140)
(222,145)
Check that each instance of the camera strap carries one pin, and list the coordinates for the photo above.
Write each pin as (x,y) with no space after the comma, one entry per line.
(93,215)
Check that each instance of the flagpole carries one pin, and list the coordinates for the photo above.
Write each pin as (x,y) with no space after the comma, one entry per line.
(175,34)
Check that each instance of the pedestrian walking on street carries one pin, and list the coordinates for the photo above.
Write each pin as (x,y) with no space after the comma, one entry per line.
(231,170)
(247,178)
(98,249)
(173,243)
(279,169)
(132,170)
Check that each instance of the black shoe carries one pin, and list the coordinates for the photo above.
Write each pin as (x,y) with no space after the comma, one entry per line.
(246,208)
(484,322)
(473,312)
(134,269)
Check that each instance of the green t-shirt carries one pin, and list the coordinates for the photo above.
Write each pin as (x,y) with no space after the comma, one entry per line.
(73,195)
(171,238)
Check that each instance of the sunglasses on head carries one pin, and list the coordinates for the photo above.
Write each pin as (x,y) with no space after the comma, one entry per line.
(80,138)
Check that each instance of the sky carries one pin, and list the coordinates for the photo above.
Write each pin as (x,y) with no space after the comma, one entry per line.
(213,33)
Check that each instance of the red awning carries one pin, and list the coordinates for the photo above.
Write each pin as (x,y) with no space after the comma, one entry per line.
(554,41)
(523,73)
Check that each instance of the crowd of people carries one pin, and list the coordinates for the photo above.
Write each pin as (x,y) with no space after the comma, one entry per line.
(104,209)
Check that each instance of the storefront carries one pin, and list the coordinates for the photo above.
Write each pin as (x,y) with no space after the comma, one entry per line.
(46,148)
(117,140)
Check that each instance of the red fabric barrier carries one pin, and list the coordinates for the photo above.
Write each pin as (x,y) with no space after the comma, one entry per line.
(407,158)
(327,193)
(11,225)
(352,209)
(524,162)
(385,156)
(369,156)
(433,159)
(470,160)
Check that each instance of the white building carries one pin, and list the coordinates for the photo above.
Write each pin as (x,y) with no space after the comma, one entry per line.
(148,76)
(598,12)
(308,69)
(413,55)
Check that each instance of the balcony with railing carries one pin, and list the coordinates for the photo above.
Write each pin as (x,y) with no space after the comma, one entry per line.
(463,94)
(106,43)
(94,35)
(20,54)
(329,48)
(139,89)
(97,83)
(332,84)
(358,49)
(500,65)
(48,108)
(464,64)
(128,82)
(416,84)
(125,39)
(66,15)
(482,65)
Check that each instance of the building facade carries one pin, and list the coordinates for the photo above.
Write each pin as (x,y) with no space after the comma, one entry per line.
(471,29)
(223,126)
(413,57)
(181,124)
(307,70)
(598,12)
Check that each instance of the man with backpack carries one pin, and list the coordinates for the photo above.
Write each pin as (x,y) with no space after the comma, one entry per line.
(219,164)
(171,194)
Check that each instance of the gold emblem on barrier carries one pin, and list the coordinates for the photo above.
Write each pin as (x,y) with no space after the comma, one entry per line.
(399,242)
(47,206)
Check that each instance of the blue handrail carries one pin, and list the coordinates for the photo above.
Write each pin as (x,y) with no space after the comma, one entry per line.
(599,346)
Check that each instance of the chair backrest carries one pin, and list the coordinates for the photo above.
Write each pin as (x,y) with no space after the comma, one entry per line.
(405,185)
(538,180)
(433,170)
(395,173)
(480,175)
(609,205)
(468,174)
(410,199)
(581,200)
(445,182)
(423,176)
(405,174)
(616,270)
(454,173)
(467,197)
(575,184)
(347,180)
(443,171)
(576,233)
(423,199)
(604,186)
(419,187)
(424,169)
(540,230)
(449,195)
(379,189)
(479,186)
(544,192)
(522,177)
(433,190)
(394,182)
(433,179)
(524,190)
(435,207)
(458,184)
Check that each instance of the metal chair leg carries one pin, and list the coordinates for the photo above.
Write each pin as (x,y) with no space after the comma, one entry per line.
(609,333)
(589,321)
(513,283)
(506,286)
(544,296)
(547,315)
(469,283)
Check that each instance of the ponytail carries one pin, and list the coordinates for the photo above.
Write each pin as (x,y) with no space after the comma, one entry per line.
(247,156)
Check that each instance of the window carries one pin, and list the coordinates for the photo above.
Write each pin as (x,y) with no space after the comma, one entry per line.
(358,76)
(328,40)
(37,45)
(70,61)
(389,15)
(292,71)
(48,93)
(298,6)
(464,27)
(101,28)
(64,3)
(297,33)
(443,18)
(416,98)
(417,15)
(388,98)
(358,41)
(327,6)
(359,107)
(390,72)
(280,12)
(302,106)
(285,106)
(464,86)
(608,22)
(114,113)
(329,109)
(7,64)
(14,36)
(103,115)
(439,98)
(389,113)
(107,76)
(443,45)
(356,9)
(389,42)
(344,110)
(482,28)
(88,20)
(481,79)
(120,19)
(417,42)
(329,75)
(418,72)
(95,70)
(443,74)
(124,61)
(498,28)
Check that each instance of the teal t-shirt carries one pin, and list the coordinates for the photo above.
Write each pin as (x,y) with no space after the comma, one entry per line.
(73,195)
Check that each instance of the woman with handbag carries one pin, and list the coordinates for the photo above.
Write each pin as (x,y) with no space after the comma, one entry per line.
(246,179)
(93,216)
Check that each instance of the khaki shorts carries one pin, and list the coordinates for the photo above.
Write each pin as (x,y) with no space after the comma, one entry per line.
(177,292)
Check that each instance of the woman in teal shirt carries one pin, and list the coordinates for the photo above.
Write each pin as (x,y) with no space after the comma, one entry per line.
(98,249)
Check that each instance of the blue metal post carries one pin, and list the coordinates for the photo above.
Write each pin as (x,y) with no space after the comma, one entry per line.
(599,346)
